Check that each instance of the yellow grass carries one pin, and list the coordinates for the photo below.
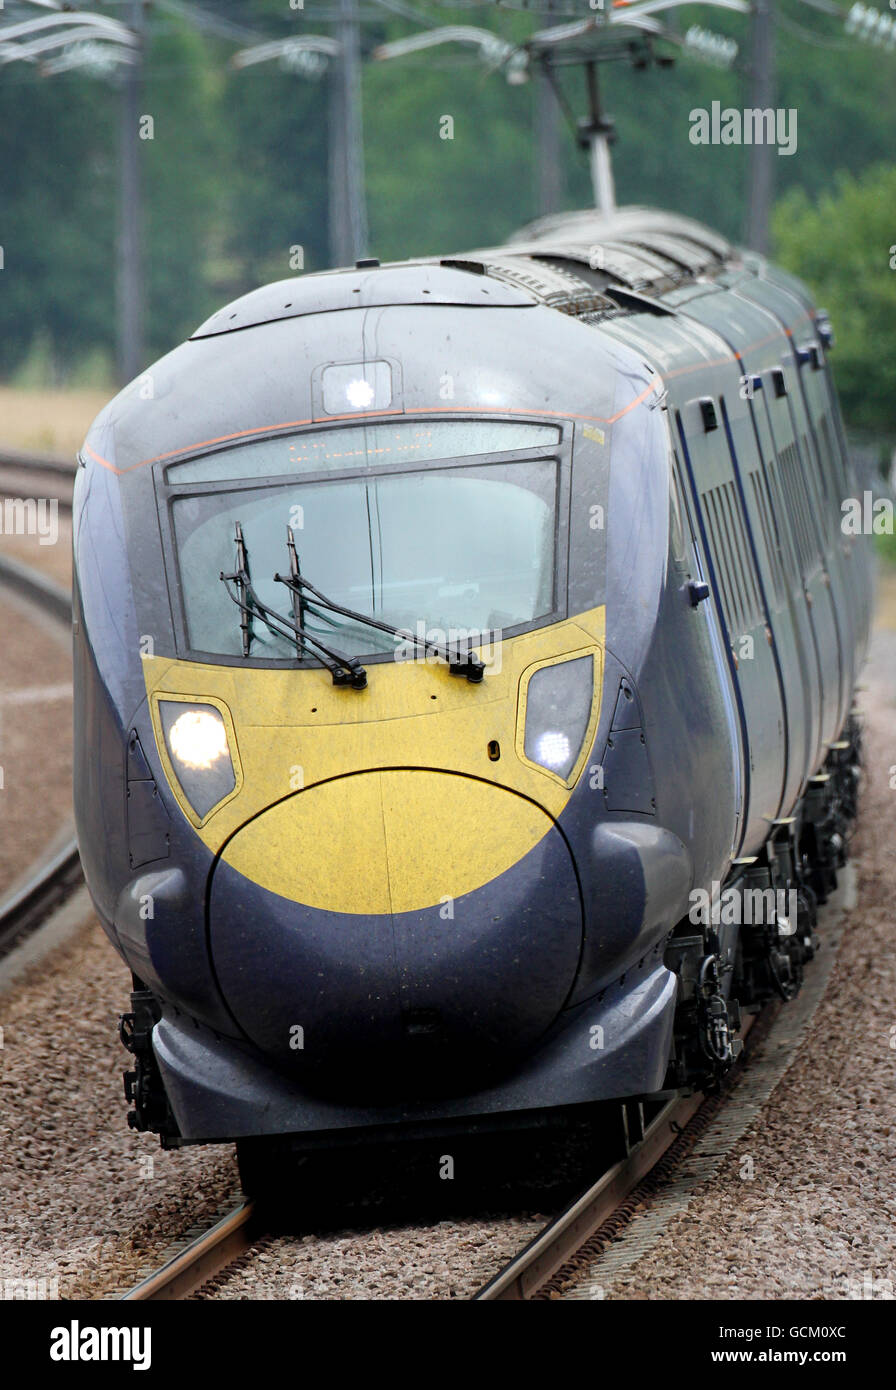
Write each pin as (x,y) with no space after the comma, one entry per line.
(47,422)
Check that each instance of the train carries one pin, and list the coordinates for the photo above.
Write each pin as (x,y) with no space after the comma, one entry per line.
(459,644)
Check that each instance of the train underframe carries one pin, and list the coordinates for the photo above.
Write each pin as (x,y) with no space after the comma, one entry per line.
(734,966)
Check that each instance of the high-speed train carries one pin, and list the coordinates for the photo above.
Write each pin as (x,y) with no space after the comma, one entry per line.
(446,633)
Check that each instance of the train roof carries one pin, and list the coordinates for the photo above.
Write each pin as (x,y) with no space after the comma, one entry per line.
(636,266)
(580,263)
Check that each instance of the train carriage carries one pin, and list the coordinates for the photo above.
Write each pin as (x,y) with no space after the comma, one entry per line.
(444,630)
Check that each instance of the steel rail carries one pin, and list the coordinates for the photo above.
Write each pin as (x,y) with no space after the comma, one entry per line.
(37,589)
(48,883)
(201,1259)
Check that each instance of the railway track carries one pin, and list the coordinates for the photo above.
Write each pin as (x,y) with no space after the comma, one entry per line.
(210,1252)
(202,1258)
(526,1275)
(50,881)
(46,886)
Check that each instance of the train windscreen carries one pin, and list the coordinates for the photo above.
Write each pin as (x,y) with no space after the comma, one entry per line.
(461,547)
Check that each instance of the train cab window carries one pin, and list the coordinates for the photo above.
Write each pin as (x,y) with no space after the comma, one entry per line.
(362,447)
(460,548)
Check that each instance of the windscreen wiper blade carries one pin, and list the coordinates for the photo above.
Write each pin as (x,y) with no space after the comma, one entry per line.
(240,578)
(460,663)
(345,670)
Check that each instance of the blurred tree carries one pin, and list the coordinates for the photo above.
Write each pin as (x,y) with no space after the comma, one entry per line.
(57,225)
(184,191)
(843,244)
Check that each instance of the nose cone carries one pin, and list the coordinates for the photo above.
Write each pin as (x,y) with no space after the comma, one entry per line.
(394,916)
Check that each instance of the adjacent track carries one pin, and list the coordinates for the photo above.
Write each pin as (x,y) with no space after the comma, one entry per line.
(54,475)
(58,872)
(46,887)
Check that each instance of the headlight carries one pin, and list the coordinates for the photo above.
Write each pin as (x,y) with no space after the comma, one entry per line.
(558,700)
(196,740)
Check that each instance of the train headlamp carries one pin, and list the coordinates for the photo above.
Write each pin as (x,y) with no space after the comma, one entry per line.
(197,738)
(199,751)
(356,386)
(559,698)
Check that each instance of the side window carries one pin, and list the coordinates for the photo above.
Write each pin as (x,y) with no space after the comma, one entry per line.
(769,534)
(732,559)
(783,526)
(798,506)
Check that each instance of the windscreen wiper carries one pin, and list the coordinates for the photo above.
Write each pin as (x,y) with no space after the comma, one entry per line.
(345,670)
(460,663)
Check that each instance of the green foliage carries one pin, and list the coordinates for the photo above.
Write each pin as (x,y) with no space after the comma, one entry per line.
(184,192)
(57,224)
(843,244)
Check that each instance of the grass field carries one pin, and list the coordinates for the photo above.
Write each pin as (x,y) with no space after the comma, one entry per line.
(47,421)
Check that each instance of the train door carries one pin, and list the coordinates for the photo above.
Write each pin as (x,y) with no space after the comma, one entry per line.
(788,632)
(826,473)
(737,592)
(783,541)
(803,507)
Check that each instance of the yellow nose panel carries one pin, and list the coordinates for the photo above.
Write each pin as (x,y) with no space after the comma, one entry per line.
(395,840)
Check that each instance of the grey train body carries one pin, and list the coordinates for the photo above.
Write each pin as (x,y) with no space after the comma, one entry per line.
(701,465)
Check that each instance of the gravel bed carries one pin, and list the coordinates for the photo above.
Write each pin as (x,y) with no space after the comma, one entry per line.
(817,1217)
(449,1259)
(35,735)
(85,1200)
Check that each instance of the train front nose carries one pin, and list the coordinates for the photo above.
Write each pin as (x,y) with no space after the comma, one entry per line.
(392,914)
